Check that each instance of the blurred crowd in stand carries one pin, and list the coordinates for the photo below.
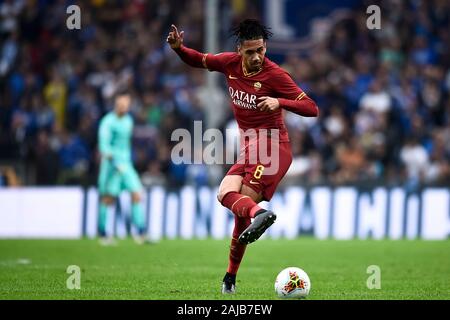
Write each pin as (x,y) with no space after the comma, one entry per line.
(383,94)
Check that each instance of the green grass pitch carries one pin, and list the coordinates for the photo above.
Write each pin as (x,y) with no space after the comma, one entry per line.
(193,269)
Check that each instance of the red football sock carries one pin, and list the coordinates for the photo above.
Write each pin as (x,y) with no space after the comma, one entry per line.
(237,249)
(242,206)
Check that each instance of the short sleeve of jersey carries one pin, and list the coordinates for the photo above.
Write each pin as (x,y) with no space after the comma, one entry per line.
(285,87)
(217,62)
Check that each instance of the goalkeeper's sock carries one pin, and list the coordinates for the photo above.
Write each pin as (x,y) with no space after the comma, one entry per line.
(237,249)
(137,216)
(242,206)
(103,217)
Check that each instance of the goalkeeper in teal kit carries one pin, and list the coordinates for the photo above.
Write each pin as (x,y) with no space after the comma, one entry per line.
(117,173)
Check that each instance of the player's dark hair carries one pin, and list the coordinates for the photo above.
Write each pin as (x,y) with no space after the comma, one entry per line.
(250,29)
(122,92)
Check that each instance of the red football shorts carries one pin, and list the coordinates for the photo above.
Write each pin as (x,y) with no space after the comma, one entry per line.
(263,166)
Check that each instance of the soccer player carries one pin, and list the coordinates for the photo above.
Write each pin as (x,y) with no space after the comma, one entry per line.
(260,90)
(116,169)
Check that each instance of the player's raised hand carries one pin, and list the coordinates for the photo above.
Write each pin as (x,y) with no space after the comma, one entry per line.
(268,104)
(175,39)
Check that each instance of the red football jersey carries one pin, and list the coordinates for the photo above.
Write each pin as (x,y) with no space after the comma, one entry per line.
(245,89)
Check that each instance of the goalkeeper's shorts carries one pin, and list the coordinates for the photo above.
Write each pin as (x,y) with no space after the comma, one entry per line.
(113,179)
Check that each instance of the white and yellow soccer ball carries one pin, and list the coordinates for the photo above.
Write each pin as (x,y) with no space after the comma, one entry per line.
(292,283)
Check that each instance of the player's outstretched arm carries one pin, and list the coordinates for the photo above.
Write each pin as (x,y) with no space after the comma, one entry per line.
(212,62)
(189,56)
(175,38)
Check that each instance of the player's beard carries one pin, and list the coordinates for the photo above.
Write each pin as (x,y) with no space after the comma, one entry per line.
(257,66)
(253,67)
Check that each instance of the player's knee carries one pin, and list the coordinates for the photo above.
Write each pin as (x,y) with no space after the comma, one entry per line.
(107,200)
(220,195)
(223,191)
(229,184)
(136,197)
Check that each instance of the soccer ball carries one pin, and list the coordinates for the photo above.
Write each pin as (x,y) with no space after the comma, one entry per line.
(292,282)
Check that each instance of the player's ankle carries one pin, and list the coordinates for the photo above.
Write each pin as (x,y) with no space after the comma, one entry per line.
(229,277)
(255,211)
